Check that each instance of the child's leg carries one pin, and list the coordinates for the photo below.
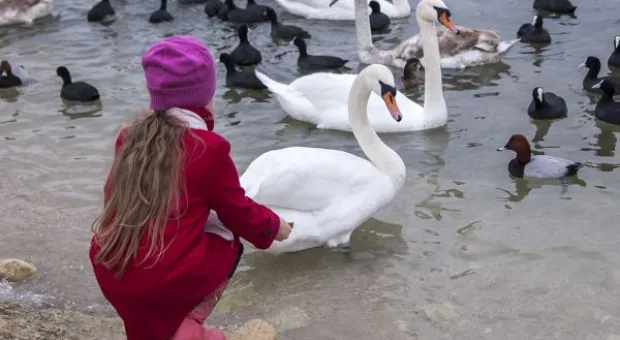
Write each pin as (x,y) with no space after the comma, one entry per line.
(192,327)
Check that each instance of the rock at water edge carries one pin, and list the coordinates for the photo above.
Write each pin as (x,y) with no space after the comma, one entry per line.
(15,270)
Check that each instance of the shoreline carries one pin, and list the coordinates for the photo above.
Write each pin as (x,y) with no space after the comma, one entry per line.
(20,321)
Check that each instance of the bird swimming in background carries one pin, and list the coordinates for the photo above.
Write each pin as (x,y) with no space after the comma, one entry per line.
(409,78)
(534,32)
(555,6)
(524,165)
(378,21)
(280,31)
(7,77)
(546,105)
(75,91)
(161,15)
(245,79)
(245,54)
(607,109)
(316,62)
(101,12)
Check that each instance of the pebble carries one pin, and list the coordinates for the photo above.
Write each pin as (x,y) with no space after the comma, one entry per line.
(441,313)
(15,270)
(255,330)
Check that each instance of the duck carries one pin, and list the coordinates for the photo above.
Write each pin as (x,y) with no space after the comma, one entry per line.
(101,12)
(280,31)
(534,32)
(316,62)
(213,8)
(606,108)
(594,67)
(239,79)
(161,15)
(378,20)
(7,77)
(469,47)
(409,79)
(75,91)
(238,15)
(554,6)
(546,105)
(328,193)
(14,12)
(259,9)
(524,165)
(343,10)
(245,54)
(319,98)
(614,58)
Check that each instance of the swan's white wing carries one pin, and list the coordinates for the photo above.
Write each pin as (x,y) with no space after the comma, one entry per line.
(307,179)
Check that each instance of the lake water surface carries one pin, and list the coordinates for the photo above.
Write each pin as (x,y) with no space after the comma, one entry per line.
(463,251)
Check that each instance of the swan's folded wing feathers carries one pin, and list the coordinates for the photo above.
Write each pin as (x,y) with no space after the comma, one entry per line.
(306,179)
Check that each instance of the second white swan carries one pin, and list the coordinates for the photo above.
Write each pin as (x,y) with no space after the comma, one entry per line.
(319,98)
(328,193)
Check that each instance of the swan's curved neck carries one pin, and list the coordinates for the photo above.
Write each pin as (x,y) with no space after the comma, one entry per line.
(384,158)
(433,85)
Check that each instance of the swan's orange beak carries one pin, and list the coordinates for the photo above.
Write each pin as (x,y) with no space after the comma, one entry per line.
(444,20)
(390,102)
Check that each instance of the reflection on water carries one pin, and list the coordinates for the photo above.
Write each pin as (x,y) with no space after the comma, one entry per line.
(461,254)
(542,128)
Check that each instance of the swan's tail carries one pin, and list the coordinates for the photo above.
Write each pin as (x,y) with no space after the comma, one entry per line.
(293,102)
(505,46)
(271,84)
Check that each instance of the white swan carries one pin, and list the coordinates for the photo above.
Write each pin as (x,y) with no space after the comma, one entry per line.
(342,10)
(23,11)
(318,98)
(469,47)
(328,193)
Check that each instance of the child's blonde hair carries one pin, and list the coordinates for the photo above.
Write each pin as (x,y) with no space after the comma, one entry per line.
(145,185)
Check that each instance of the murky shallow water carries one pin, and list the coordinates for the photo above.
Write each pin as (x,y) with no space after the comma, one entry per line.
(463,252)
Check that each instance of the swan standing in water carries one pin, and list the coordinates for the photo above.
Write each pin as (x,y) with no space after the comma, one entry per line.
(343,10)
(469,47)
(319,98)
(23,11)
(329,193)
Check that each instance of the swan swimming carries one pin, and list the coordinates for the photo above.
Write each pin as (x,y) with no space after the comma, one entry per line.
(343,9)
(23,11)
(469,47)
(329,193)
(319,98)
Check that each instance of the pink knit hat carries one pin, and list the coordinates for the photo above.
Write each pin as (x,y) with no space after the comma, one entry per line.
(179,72)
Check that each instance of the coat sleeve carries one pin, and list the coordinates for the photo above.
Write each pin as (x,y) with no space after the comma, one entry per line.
(240,214)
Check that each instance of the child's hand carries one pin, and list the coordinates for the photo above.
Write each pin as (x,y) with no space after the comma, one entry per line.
(284,231)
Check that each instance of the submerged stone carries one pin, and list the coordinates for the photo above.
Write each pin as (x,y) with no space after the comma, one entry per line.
(255,330)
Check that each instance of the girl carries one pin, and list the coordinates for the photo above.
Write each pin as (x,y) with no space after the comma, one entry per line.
(150,253)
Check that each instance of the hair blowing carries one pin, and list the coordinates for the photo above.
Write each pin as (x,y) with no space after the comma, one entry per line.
(144,191)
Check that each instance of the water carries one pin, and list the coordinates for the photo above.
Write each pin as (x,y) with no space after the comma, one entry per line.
(463,251)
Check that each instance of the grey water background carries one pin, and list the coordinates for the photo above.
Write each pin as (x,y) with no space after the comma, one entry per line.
(463,251)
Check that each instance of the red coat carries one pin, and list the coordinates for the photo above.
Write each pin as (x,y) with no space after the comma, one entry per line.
(153,300)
